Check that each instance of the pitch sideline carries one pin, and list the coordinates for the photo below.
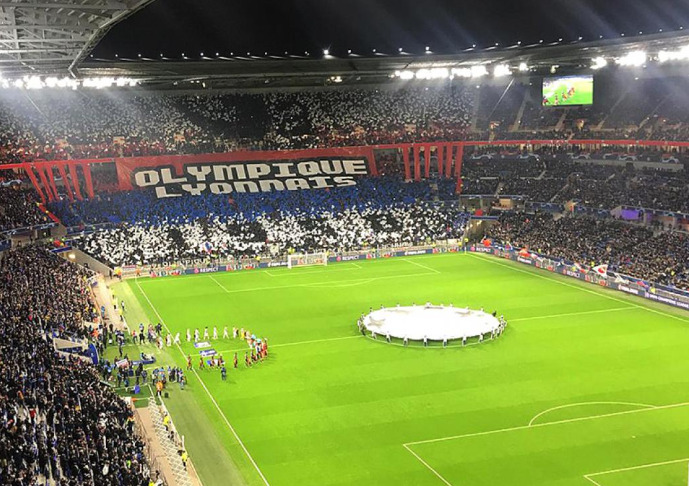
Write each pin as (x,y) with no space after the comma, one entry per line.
(583,289)
(222,414)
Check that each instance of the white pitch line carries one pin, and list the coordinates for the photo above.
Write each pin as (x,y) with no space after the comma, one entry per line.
(572,405)
(428,466)
(552,316)
(219,284)
(222,414)
(634,468)
(325,284)
(420,265)
(583,289)
(356,265)
(592,481)
(547,424)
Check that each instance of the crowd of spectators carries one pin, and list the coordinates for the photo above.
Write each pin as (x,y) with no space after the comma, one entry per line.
(60,424)
(64,124)
(19,208)
(628,249)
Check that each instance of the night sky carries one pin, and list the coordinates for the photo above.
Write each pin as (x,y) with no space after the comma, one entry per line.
(173,27)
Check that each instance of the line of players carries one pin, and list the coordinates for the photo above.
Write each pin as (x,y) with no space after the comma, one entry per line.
(257,346)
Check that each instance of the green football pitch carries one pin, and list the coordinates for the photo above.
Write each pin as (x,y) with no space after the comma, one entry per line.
(586,387)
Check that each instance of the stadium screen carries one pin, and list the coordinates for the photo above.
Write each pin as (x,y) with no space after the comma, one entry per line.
(568,91)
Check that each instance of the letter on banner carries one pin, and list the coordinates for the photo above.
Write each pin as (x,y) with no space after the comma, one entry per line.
(146,178)
(256,171)
(199,173)
(168,178)
(356,167)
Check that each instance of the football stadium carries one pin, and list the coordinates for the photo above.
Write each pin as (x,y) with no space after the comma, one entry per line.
(260,246)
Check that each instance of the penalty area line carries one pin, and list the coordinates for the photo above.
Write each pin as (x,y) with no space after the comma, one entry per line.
(219,284)
(438,475)
(222,414)
(633,468)
(420,265)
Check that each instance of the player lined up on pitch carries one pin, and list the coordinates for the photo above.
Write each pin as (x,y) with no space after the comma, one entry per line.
(210,359)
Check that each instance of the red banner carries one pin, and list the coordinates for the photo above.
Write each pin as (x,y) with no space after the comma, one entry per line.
(259,171)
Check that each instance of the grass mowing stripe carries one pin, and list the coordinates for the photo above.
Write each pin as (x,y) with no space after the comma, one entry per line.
(222,414)
(601,294)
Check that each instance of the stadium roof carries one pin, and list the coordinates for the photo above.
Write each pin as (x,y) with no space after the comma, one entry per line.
(46,37)
(252,71)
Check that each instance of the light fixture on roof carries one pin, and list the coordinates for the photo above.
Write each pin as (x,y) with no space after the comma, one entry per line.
(405,75)
(680,55)
(599,63)
(501,70)
(433,73)
(633,59)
